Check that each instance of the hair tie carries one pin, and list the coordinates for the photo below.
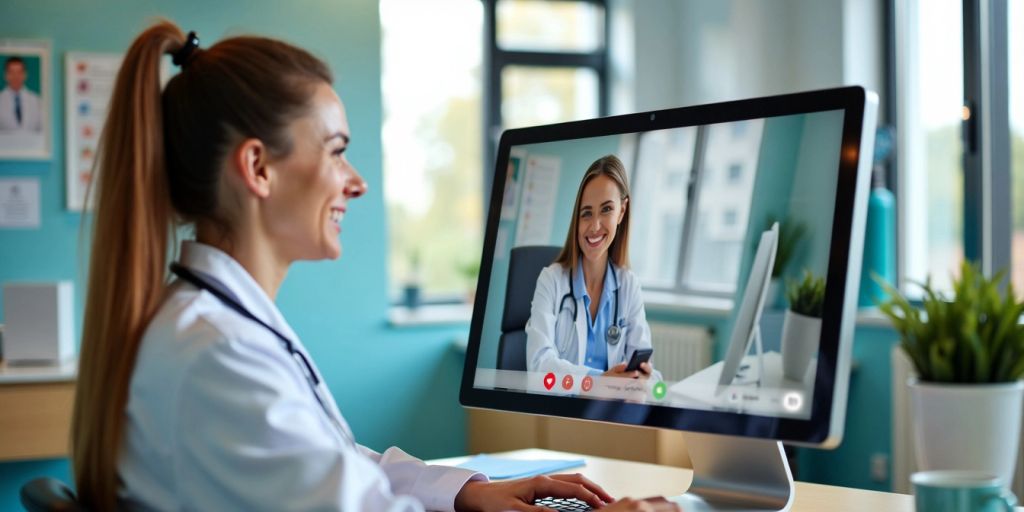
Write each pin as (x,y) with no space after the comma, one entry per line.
(180,57)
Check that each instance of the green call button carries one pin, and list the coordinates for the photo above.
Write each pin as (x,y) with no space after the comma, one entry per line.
(659,390)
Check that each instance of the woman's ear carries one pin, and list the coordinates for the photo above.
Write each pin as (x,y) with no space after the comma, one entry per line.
(622,212)
(249,163)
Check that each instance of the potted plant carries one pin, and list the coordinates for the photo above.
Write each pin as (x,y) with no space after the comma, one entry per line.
(470,271)
(801,326)
(411,289)
(968,352)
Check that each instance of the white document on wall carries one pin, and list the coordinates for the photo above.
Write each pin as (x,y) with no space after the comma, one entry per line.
(513,180)
(19,203)
(537,205)
(88,86)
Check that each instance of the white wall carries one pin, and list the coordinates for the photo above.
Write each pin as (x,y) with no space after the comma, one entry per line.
(698,51)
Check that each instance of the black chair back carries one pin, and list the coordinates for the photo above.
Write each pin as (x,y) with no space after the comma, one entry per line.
(524,266)
(46,494)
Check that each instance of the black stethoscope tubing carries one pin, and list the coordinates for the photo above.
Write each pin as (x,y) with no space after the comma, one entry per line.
(187,275)
(614,332)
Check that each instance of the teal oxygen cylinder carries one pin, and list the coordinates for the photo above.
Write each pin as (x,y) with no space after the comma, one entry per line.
(879,242)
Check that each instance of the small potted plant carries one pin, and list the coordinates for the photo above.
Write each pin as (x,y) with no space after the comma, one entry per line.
(470,271)
(411,288)
(968,353)
(801,326)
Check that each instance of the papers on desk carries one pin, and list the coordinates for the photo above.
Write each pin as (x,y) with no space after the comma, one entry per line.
(500,468)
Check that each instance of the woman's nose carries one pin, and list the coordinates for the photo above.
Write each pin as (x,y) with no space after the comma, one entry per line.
(356,185)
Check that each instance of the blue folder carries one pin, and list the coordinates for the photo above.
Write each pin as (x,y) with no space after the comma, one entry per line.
(500,468)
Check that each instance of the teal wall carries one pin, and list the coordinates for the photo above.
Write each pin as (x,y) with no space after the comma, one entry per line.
(396,387)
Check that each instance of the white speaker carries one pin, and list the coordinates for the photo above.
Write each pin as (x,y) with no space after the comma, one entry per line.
(37,323)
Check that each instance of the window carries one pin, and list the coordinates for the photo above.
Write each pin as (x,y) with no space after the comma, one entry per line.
(957,119)
(540,62)
(735,173)
(700,196)
(931,99)
(432,154)
(1016,87)
(547,63)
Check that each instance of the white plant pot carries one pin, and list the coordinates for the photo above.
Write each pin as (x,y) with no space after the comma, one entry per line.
(967,426)
(801,336)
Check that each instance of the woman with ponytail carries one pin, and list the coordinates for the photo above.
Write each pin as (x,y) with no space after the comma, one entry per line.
(193,392)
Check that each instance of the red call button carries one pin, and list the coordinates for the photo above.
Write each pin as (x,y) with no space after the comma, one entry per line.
(567,382)
(549,381)
(587,384)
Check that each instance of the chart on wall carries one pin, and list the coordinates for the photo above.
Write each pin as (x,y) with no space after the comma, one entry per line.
(89,82)
(537,205)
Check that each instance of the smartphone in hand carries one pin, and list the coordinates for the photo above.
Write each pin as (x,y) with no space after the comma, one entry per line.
(640,355)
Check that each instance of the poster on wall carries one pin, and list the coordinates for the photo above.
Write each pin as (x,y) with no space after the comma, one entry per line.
(88,85)
(19,203)
(25,99)
(539,193)
(513,177)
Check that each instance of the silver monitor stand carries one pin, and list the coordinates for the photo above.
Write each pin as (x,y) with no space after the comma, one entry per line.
(736,474)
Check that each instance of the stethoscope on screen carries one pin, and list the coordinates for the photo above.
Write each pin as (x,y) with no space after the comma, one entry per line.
(222,293)
(614,333)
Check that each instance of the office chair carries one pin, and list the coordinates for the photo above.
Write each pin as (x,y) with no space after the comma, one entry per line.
(524,266)
(46,494)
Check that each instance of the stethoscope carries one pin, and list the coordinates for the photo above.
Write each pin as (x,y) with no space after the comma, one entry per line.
(222,293)
(614,333)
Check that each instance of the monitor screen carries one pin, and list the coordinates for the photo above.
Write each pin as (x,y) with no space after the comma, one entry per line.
(687,268)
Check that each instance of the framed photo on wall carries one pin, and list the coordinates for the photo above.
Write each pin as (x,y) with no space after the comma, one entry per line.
(25,131)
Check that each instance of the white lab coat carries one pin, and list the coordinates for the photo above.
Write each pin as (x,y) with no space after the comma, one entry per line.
(545,354)
(31,115)
(221,417)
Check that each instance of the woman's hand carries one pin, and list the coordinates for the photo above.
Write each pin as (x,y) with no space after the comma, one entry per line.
(619,370)
(520,494)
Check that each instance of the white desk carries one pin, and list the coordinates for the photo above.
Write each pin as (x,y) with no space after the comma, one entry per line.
(701,390)
(638,479)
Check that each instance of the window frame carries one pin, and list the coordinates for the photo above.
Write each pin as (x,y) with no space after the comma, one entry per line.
(496,59)
(986,157)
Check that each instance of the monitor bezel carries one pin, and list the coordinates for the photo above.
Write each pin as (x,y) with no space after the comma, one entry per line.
(835,331)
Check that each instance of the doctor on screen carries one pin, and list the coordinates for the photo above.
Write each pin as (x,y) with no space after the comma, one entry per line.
(587,314)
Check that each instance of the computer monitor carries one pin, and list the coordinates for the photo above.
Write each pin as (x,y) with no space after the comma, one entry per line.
(693,242)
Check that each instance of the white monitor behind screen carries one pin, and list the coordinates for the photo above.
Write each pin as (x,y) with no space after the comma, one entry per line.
(749,315)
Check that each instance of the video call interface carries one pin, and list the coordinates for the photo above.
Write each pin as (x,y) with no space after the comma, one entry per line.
(712,266)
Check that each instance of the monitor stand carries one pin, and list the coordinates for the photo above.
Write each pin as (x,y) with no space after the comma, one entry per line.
(736,474)
(743,376)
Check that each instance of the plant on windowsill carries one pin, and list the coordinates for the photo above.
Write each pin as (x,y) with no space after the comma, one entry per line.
(412,287)
(968,352)
(470,272)
(801,325)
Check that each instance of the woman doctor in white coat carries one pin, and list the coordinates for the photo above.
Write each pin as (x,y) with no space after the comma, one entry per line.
(196,394)
(587,315)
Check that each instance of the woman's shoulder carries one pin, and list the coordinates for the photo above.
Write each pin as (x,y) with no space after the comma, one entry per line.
(555,270)
(627,278)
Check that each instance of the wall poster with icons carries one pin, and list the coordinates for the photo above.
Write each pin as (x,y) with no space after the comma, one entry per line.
(25,99)
(88,84)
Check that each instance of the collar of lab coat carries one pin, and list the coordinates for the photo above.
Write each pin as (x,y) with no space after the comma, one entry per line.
(219,265)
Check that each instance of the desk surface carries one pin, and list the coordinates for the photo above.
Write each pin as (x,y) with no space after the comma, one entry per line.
(637,479)
(27,374)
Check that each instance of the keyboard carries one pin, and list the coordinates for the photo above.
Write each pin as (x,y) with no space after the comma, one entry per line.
(571,504)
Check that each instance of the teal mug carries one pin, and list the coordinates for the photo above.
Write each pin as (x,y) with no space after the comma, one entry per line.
(960,491)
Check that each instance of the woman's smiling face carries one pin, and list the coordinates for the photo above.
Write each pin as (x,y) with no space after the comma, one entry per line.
(601,210)
(316,183)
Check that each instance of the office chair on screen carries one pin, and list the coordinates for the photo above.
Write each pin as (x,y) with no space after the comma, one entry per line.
(524,266)
(47,494)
